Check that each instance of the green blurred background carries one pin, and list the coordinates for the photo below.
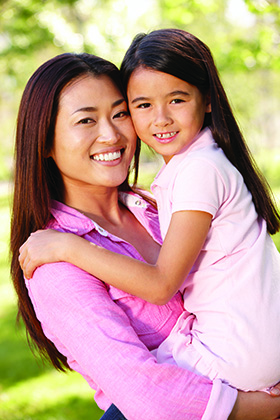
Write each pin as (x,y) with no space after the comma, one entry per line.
(244,36)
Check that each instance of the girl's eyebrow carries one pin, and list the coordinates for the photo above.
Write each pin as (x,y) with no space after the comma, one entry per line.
(178,92)
(173,93)
(94,108)
(139,98)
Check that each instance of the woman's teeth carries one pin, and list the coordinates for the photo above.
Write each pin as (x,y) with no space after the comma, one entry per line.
(166,135)
(107,156)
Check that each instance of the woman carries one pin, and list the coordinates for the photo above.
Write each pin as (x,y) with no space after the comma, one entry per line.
(74,146)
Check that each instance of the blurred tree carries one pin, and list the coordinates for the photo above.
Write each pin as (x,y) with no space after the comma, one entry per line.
(242,34)
(31,31)
(244,38)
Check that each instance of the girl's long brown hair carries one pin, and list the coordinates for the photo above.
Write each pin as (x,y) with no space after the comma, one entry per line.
(181,54)
(37,179)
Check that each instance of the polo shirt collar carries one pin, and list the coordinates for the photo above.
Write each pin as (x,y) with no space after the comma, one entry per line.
(168,170)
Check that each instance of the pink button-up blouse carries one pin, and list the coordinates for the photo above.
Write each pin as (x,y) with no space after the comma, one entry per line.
(106,334)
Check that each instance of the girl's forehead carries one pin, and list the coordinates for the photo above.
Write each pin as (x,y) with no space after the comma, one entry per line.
(149,79)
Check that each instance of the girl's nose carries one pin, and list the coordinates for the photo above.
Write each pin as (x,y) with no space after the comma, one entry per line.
(162,118)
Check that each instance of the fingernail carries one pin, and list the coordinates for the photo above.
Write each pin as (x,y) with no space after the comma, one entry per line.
(275,391)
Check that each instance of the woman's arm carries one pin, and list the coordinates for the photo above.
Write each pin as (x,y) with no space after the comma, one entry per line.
(95,334)
(153,283)
(78,315)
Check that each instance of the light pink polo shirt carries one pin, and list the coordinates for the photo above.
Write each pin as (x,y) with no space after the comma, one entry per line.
(233,288)
(106,334)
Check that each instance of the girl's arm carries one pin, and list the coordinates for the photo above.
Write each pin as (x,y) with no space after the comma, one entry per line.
(255,406)
(154,283)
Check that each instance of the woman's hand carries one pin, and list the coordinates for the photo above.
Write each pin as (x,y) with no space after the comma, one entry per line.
(43,246)
(257,405)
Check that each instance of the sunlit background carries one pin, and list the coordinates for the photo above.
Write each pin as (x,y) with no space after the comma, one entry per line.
(244,36)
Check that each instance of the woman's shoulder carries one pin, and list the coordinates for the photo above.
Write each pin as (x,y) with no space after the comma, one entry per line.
(143,207)
(68,219)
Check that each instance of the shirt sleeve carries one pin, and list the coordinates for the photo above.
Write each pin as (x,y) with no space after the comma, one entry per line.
(99,342)
(221,401)
(198,186)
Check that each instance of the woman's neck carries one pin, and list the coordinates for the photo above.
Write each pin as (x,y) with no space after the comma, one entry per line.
(99,204)
(104,208)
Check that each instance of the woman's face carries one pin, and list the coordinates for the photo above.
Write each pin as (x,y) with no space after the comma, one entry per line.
(94,139)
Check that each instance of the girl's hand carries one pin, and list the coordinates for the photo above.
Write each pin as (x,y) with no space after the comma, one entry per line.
(274,391)
(257,405)
(43,246)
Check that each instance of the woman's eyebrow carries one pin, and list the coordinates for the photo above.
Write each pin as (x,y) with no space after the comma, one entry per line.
(118,102)
(94,108)
(85,109)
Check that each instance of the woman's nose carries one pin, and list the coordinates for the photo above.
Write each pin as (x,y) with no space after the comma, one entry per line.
(108,134)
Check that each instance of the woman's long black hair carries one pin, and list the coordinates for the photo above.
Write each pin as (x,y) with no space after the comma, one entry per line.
(37,178)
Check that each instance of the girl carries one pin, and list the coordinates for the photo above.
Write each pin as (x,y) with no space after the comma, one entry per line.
(215,212)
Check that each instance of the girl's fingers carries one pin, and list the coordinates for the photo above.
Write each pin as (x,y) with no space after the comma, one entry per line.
(275,391)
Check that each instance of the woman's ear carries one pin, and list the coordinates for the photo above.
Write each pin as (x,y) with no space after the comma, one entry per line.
(47,155)
(48,152)
(208,103)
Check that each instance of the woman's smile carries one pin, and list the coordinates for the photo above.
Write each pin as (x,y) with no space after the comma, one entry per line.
(94,140)
(112,157)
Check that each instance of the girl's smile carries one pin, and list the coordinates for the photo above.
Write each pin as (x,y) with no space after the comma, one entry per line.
(167,112)
(165,138)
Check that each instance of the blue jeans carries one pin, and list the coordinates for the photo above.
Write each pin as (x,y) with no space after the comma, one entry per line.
(113,413)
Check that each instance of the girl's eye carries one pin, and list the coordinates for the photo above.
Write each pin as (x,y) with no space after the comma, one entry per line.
(177,101)
(143,106)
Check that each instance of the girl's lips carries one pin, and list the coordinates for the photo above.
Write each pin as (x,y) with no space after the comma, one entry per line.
(166,137)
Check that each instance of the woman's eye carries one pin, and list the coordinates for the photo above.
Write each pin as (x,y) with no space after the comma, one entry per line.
(121,114)
(86,121)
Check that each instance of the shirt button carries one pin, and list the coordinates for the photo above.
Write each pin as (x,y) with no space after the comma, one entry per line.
(102,231)
(188,340)
(138,203)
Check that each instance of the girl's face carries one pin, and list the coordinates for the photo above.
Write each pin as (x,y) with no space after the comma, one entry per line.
(94,139)
(167,112)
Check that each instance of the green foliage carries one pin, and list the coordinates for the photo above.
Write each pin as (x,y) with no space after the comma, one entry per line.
(30,390)
(246,52)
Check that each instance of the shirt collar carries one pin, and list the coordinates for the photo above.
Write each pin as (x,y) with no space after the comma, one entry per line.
(162,179)
(65,217)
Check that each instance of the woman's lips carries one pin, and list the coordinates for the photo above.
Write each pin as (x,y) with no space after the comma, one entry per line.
(110,157)
(107,157)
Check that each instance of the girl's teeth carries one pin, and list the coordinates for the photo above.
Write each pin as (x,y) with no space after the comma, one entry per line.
(166,135)
(107,156)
